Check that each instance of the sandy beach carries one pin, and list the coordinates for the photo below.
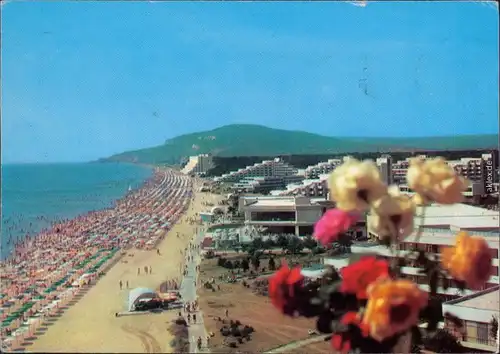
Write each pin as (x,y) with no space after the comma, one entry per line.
(91,326)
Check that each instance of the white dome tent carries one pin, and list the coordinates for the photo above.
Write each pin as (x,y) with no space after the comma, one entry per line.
(138,294)
(217,210)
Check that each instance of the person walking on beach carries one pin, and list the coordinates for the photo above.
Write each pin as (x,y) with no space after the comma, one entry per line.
(146,269)
(127,284)
(150,270)
(158,251)
(227,313)
(138,271)
(121,285)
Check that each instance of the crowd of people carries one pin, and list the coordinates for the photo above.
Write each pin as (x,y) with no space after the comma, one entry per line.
(51,266)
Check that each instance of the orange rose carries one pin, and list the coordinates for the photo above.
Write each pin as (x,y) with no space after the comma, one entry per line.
(469,260)
(393,307)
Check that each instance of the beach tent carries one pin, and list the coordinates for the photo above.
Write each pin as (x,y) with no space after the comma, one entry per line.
(217,210)
(138,294)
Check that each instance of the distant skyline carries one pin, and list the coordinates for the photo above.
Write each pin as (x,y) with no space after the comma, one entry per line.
(83,80)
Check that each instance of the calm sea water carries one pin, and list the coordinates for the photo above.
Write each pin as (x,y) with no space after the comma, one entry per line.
(34,195)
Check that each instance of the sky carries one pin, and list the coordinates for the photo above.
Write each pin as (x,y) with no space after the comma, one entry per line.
(84,80)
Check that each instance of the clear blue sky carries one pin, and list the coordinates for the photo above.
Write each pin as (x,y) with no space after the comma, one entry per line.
(83,80)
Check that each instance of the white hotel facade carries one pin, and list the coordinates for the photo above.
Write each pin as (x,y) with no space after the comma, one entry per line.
(276,168)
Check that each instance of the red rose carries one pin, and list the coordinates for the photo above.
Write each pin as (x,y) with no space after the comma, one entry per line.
(358,276)
(341,342)
(282,287)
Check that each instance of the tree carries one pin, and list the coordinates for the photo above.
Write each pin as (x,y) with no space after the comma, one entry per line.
(494,327)
(443,342)
(341,245)
(245,265)
(228,264)
(221,262)
(271,264)
(282,242)
(255,262)
(236,264)
(310,243)
(295,245)
(269,244)
(257,243)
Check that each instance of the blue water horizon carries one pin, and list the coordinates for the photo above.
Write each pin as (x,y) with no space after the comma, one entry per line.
(36,194)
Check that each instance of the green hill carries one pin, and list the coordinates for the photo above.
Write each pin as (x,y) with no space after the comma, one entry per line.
(256,140)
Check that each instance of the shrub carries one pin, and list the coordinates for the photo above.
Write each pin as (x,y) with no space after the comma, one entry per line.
(221,262)
(180,342)
(443,342)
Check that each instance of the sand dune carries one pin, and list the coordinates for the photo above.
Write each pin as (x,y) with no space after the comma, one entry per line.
(91,325)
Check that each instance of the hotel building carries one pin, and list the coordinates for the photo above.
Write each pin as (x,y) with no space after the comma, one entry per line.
(199,164)
(384,164)
(276,168)
(315,171)
(482,170)
(288,215)
(264,185)
(315,188)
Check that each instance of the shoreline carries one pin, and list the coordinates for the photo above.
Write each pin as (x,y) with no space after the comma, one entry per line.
(53,221)
(152,194)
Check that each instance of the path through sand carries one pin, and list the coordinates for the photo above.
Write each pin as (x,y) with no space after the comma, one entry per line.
(91,326)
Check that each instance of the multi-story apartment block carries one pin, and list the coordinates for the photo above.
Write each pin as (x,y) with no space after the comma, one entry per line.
(199,164)
(266,184)
(276,167)
(313,172)
(481,170)
(439,228)
(308,188)
(384,164)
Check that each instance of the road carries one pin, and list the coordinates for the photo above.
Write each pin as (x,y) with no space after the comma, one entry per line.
(188,292)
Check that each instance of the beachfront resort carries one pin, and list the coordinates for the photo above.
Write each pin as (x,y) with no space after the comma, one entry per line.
(115,266)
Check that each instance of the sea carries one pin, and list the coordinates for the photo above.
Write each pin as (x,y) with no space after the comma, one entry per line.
(34,195)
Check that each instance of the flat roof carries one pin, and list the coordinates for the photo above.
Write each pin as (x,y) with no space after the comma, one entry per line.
(275,202)
(488,299)
(462,216)
(270,201)
(455,210)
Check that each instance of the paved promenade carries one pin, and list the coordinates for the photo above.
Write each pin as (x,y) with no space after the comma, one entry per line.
(188,292)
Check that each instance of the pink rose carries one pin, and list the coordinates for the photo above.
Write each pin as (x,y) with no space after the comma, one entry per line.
(333,223)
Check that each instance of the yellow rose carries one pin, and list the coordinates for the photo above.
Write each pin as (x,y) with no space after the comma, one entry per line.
(435,180)
(393,307)
(354,185)
(392,215)
(469,260)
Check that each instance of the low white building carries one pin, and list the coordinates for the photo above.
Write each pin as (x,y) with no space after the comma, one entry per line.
(289,215)
(476,311)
